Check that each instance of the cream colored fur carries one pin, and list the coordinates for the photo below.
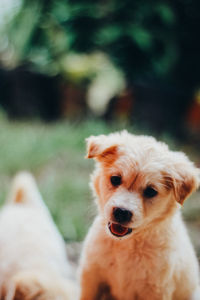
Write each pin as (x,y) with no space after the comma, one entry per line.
(156,261)
(33,262)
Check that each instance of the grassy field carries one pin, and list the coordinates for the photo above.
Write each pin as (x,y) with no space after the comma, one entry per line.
(54,153)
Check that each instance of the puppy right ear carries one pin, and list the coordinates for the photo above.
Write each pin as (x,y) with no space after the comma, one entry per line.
(94,145)
(98,147)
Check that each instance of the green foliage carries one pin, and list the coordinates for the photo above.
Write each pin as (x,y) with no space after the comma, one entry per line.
(143,37)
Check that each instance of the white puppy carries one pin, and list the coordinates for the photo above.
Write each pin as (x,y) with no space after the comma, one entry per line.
(138,247)
(33,262)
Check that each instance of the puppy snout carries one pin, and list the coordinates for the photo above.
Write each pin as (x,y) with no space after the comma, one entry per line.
(122,215)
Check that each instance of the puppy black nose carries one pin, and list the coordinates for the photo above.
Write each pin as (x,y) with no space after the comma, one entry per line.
(122,215)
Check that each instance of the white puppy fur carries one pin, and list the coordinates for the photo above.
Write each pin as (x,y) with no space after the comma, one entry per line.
(33,262)
(149,255)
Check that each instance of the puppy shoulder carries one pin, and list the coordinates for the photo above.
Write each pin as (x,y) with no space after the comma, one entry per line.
(183,248)
(96,241)
(94,233)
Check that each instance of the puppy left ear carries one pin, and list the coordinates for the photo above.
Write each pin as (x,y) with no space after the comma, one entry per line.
(101,149)
(185,188)
(186,178)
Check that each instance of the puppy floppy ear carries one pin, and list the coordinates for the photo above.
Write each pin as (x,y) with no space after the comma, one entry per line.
(185,177)
(100,148)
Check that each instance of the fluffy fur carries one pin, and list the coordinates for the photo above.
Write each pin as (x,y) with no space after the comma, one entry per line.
(156,261)
(33,262)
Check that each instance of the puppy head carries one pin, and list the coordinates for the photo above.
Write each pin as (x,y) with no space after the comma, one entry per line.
(138,181)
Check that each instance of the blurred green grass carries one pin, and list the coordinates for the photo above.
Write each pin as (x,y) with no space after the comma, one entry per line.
(54,153)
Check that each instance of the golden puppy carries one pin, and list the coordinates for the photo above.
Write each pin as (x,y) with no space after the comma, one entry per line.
(138,247)
(33,262)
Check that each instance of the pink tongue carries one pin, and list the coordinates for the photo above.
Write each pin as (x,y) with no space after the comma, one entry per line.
(118,229)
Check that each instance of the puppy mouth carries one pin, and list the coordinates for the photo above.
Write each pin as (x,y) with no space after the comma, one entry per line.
(119,230)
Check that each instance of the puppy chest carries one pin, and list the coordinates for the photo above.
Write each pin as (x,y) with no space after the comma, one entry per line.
(130,275)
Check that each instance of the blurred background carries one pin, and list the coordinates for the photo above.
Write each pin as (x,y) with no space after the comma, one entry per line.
(72,68)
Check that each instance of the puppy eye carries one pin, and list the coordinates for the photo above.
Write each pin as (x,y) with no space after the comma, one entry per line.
(116,180)
(149,192)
